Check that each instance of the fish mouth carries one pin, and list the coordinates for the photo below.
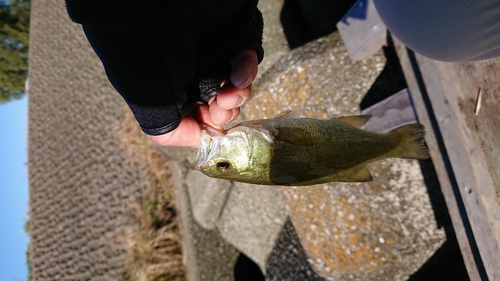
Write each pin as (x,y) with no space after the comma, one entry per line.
(203,152)
(208,146)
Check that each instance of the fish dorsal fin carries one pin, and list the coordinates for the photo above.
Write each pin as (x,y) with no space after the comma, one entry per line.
(356,121)
(298,113)
(362,176)
(293,135)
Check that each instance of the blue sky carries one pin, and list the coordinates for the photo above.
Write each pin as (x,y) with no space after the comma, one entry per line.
(13,189)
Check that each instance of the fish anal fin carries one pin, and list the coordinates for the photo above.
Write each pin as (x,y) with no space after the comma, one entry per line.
(298,113)
(356,121)
(362,175)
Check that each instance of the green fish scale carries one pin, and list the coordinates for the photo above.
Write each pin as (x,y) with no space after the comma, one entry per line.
(307,149)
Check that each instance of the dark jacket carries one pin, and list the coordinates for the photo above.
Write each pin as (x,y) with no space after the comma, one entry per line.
(162,56)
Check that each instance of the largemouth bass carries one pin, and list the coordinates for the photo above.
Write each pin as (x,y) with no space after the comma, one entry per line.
(288,150)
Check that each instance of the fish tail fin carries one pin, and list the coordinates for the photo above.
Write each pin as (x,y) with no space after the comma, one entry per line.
(411,142)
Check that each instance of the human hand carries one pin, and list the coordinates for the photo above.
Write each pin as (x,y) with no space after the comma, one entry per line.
(221,109)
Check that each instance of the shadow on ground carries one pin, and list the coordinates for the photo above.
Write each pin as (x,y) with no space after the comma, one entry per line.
(306,20)
(246,269)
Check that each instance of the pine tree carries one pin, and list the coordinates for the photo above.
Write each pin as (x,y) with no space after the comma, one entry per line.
(14,30)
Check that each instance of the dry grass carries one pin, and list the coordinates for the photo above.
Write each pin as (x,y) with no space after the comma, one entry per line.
(154,239)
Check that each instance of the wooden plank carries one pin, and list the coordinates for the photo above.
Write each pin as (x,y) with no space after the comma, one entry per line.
(441,95)
(391,113)
(362,30)
(438,160)
(473,177)
(480,132)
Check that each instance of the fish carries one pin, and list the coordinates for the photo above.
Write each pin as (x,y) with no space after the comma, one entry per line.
(296,151)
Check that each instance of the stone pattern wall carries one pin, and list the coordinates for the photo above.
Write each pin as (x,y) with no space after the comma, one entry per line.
(80,181)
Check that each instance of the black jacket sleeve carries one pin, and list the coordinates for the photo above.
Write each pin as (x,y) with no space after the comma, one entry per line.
(167,55)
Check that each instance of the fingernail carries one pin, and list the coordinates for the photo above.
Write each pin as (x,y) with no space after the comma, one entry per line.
(247,82)
(227,117)
(239,102)
(211,100)
(241,79)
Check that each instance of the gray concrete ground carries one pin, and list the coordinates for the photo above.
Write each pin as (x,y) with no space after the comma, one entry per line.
(81,182)
(252,219)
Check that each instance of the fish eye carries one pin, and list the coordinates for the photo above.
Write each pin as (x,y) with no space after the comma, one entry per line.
(223,166)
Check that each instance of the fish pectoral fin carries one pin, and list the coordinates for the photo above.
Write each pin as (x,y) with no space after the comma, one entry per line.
(356,121)
(298,113)
(293,135)
(362,176)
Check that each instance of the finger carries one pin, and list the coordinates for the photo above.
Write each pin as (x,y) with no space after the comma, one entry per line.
(230,97)
(220,116)
(203,116)
(188,133)
(245,66)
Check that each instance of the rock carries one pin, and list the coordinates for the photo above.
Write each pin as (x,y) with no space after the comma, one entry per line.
(384,229)
(274,41)
(319,77)
(381,230)
(252,220)
(208,256)
(288,260)
(207,197)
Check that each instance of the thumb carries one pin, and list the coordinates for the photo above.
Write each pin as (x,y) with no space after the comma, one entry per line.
(245,66)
